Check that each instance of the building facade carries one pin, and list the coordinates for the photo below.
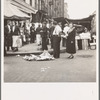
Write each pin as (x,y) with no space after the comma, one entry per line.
(54,8)
(26,6)
(66,10)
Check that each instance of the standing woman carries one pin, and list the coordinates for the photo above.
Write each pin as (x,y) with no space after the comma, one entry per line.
(70,42)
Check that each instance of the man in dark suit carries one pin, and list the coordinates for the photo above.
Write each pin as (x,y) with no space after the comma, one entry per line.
(44,34)
(53,24)
(32,33)
(8,35)
(15,35)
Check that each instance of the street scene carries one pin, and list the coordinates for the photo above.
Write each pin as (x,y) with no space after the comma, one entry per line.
(45,41)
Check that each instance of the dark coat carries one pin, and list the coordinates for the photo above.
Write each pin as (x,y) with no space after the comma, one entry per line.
(38,30)
(70,42)
(16,31)
(44,35)
(44,32)
(51,31)
(32,30)
(7,36)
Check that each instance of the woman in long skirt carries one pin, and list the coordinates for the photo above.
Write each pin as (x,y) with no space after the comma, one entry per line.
(70,42)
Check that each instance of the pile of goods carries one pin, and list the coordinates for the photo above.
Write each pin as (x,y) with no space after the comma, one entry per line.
(42,57)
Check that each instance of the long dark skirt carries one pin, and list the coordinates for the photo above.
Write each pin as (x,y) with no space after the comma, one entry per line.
(44,43)
(70,46)
(9,41)
(56,46)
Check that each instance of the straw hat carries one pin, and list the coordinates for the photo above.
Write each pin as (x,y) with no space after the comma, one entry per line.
(66,24)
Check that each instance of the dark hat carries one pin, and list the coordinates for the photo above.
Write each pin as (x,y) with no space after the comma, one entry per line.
(54,22)
(44,22)
(59,23)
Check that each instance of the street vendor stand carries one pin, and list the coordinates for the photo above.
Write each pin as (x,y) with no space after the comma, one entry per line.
(12,13)
(84,41)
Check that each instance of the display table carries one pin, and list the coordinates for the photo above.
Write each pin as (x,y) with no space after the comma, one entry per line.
(82,41)
(93,45)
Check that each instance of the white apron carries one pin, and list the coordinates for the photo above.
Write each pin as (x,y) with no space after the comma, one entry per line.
(38,39)
(15,39)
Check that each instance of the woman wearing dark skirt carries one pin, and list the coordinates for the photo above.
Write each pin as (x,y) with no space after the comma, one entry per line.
(70,42)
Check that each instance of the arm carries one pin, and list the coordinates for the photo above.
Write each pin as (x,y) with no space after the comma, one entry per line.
(70,30)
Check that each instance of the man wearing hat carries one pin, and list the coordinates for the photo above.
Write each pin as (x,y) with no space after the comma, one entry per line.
(44,34)
(8,35)
(56,40)
(32,33)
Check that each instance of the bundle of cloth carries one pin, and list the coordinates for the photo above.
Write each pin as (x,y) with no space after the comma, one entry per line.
(42,57)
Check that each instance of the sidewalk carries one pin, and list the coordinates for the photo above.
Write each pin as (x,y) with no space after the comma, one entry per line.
(32,49)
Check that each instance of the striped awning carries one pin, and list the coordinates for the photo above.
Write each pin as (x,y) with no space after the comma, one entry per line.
(21,5)
(12,12)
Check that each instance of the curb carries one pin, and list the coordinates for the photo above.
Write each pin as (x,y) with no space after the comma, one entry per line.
(35,53)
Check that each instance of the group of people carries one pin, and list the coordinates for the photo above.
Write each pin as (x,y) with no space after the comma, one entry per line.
(11,33)
(55,32)
(41,34)
(69,33)
(17,34)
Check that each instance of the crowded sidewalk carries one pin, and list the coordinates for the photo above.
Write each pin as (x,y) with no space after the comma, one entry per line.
(32,48)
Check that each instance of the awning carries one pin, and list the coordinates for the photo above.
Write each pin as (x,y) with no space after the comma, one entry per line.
(83,20)
(86,22)
(12,12)
(21,5)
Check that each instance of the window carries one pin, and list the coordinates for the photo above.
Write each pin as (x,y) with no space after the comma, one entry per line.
(31,2)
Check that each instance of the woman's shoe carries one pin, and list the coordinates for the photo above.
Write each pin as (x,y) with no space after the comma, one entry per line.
(71,57)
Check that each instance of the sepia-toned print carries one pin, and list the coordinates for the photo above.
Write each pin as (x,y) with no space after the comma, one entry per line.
(50,41)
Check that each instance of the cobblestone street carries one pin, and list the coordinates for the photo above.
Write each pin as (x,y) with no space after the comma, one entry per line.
(80,69)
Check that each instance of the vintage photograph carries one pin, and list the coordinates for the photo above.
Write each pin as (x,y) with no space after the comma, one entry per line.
(50,41)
